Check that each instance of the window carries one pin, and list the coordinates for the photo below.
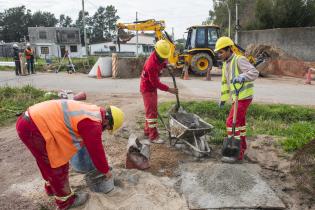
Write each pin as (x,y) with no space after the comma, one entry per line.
(42,35)
(212,36)
(73,48)
(193,39)
(44,50)
(71,35)
(201,37)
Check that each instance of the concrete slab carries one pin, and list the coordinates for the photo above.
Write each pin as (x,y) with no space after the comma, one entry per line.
(226,186)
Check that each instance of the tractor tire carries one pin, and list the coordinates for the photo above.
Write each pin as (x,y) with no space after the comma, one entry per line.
(201,63)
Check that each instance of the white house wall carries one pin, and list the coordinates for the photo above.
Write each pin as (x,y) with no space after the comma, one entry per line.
(54,50)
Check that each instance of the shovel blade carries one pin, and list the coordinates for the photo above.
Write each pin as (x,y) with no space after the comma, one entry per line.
(231,147)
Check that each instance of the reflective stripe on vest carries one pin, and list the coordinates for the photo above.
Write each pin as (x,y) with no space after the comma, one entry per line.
(246,91)
(57,121)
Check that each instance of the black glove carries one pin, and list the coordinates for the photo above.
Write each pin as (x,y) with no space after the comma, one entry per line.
(221,104)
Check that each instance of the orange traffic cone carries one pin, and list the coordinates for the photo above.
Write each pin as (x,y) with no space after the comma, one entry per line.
(308,75)
(186,75)
(81,96)
(98,73)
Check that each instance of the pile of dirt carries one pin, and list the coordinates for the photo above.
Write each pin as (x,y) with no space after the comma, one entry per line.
(278,62)
(303,168)
(276,167)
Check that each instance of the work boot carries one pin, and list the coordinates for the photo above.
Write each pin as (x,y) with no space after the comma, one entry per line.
(158,141)
(80,199)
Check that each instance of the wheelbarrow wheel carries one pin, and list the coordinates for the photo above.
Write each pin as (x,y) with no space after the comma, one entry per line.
(201,146)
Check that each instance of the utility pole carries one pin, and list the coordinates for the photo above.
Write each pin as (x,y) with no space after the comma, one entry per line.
(173,34)
(137,52)
(84,30)
(237,25)
(229,11)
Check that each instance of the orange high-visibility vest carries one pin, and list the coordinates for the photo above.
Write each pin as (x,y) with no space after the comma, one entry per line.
(57,121)
(28,53)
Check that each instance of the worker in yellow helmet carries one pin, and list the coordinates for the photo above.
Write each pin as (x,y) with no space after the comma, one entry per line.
(149,83)
(55,131)
(238,71)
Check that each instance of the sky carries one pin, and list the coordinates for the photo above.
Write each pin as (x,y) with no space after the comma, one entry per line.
(179,14)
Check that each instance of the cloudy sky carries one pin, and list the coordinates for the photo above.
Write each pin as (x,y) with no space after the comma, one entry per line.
(178,14)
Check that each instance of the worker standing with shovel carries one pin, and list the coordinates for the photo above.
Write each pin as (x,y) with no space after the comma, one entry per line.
(54,131)
(238,75)
(149,84)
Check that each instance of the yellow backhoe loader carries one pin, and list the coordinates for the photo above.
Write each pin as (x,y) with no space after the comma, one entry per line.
(198,54)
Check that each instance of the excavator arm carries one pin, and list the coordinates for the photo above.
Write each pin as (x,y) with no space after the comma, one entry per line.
(151,25)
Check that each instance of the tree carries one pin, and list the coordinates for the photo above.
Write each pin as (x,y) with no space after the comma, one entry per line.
(180,44)
(263,14)
(79,24)
(65,21)
(103,24)
(45,19)
(110,21)
(14,23)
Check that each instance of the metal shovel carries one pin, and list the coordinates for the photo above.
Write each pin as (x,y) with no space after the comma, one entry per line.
(177,106)
(231,145)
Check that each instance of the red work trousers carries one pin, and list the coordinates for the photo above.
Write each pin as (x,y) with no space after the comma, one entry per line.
(151,121)
(240,127)
(57,180)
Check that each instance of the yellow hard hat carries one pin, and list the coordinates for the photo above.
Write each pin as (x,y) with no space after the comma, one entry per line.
(118,117)
(222,43)
(163,49)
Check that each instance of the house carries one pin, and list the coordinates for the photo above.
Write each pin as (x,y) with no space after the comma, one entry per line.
(145,46)
(54,41)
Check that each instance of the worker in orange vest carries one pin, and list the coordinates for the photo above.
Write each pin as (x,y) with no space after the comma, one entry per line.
(29,55)
(54,131)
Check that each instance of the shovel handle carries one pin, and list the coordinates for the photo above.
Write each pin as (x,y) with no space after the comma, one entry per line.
(237,91)
(175,86)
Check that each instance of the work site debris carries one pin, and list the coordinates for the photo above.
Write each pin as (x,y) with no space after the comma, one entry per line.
(136,189)
(138,153)
(278,62)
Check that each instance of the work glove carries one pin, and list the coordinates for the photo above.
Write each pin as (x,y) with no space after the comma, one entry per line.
(221,104)
(170,66)
(173,91)
(239,79)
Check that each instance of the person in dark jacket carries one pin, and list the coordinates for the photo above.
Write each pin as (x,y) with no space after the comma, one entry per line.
(16,56)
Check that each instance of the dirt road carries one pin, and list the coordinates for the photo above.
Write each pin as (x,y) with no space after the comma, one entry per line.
(22,188)
(272,90)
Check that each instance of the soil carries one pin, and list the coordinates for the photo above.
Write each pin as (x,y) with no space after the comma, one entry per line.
(21,185)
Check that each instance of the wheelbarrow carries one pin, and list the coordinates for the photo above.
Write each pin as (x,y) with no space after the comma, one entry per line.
(194,132)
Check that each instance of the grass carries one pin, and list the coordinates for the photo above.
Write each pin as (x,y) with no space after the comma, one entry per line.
(17,100)
(294,125)
(41,64)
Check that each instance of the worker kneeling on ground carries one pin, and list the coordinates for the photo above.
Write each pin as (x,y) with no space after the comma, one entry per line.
(236,69)
(54,131)
(149,84)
